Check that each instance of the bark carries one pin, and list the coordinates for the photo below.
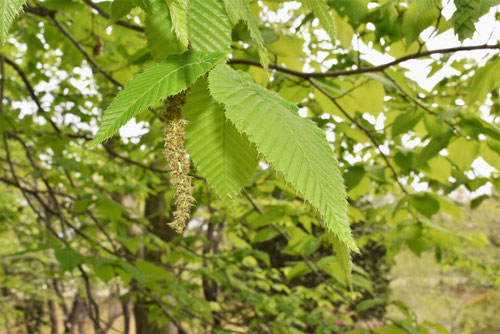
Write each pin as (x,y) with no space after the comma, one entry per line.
(62,304)
(54,329)
(79,312)
(126,316)
(155,206)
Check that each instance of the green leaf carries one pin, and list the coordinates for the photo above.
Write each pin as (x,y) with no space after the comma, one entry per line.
(294,146)
(467,14)
(8,12)
(463,152)
(435,145)
(354,10)
(419,15)
(485,80)
(120,8)
(344,258)
(439,168)
(423,6)
(368,304)
(209,26)
(264,234)
(321,10)
(240,10)
(170,77)
(178,14)
(105,269)
(68,258)
(405,122)
(425,204)
(223,156)
(152,272)
(367,97)
(162,41)
(107,208)
(300,269)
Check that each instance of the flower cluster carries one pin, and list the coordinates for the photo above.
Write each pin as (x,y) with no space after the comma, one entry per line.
(178,161)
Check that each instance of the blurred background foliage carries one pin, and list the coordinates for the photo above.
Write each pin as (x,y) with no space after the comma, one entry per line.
(84,242)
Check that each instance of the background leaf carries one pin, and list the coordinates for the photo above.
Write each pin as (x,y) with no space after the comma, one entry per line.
(68,258)
(120,8)
(485,80)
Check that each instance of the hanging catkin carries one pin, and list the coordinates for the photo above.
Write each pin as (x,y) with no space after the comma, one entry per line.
(178,161)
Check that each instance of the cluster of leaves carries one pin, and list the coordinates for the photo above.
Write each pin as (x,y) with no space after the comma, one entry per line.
(259,262)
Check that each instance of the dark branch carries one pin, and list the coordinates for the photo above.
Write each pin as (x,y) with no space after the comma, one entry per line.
(378,68)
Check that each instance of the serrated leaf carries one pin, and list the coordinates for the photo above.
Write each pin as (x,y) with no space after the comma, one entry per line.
(223,156)
(464,17)
(240,10)
(167,78)
(321,10)
(178,14)
(484,81)
(162,41)
(209,27)
(344,258)
(293,145)
(8,12)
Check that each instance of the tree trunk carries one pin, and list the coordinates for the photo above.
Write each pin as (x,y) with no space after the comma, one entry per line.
(54,329)
(155,206)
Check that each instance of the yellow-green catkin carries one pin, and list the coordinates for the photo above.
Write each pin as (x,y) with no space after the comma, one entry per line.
(178,161)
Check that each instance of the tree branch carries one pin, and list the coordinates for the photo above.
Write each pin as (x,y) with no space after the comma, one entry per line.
(378,68)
